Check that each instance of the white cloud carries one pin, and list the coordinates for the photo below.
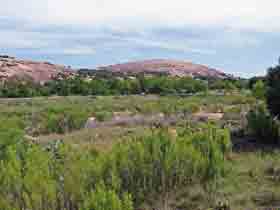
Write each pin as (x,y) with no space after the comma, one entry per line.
(250,14)
(172,45)
(21,40)
(79,50)
(227,33)
(48,43)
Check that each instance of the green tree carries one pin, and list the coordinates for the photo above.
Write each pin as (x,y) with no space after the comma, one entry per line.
(262,125)
(259,90)
(273,90)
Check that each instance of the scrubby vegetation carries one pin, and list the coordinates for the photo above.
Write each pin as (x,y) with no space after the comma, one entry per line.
(103,86)
(80,85)
(165,149)
(182,165)
(61,177)
(65,114)
(263,126)
(259,90)
(273,93)
(263,119)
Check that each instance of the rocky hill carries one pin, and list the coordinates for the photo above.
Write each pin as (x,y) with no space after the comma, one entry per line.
(39,72)
(165,66)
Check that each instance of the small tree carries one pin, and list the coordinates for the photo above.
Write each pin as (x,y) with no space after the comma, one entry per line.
(262,126)
(273,90)
(259,90)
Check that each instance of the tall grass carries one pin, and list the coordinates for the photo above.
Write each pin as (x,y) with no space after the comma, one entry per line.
(62,177)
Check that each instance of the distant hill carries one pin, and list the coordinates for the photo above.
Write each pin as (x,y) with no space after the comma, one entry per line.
(40,72)
(165,66)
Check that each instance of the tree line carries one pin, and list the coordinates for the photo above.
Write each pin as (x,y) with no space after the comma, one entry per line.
(116,86)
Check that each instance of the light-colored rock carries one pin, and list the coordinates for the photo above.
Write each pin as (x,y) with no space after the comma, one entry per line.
(165,66)
(91,122)
(204,116)
(37,71)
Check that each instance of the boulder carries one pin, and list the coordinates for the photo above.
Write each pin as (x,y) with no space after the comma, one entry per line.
(91,123)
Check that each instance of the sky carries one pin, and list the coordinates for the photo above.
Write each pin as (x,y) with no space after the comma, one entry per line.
(241,37)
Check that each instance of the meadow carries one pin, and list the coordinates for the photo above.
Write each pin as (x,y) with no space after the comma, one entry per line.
(51,160)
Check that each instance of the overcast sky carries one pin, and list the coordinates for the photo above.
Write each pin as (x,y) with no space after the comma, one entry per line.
(238,36)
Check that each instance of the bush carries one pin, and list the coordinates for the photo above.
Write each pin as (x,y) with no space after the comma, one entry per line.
(102,199)
(61,177)
(259,90)
(262,125)
(156,164)
(273,90)
(103,115)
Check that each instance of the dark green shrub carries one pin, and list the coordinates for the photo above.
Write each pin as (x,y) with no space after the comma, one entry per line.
(273,90)
(259,90)
(263,126)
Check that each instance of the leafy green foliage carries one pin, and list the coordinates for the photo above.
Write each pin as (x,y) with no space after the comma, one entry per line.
(259,90)
(227,84)
(103,86)
(252,81)
(273,92)
(39,116)
(61,177)
(102,199)
(262,125)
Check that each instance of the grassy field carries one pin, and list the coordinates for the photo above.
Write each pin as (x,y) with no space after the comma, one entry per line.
(63,114)
(252,177)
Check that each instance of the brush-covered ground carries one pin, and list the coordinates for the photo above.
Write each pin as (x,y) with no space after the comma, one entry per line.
(238,174)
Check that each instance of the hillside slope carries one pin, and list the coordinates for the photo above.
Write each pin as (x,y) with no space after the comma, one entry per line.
(170,67)
(40,72)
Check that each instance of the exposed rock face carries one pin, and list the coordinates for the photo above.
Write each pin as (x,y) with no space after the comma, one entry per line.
(203,116)
(165,66)
(40,72)
(91,122)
